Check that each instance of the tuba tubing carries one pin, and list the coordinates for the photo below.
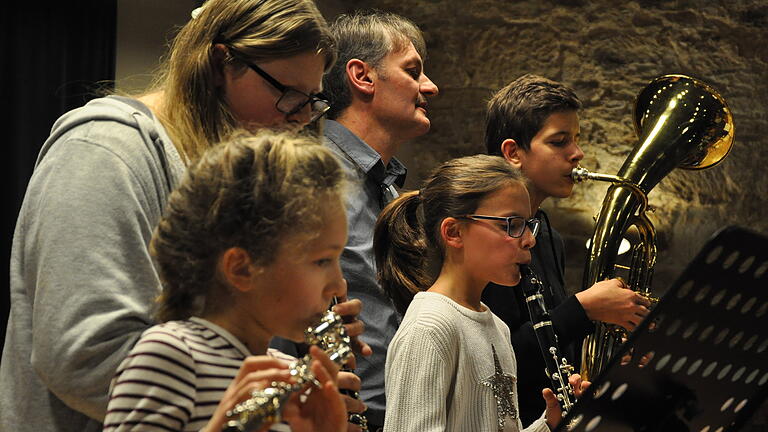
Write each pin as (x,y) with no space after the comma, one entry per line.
(681,122)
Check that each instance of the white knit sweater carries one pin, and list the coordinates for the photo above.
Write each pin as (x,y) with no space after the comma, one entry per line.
(440,370)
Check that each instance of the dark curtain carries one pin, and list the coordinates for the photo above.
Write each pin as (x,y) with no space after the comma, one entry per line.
(56,56)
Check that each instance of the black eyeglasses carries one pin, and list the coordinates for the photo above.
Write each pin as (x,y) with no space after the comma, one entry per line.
(515,224)
(292,100)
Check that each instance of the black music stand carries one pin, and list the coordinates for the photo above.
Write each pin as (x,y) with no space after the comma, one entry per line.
(700,359)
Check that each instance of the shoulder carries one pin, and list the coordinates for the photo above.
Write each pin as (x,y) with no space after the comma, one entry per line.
(121,148)
(184,345)
(430,318)
(502,327)
(336,146)
(547,229)
(103,108)
(109,113)
(105,123)
(188,339)
(428,307)
(171,339)
(162,354)
(357,157)
(347,164)
(558,239)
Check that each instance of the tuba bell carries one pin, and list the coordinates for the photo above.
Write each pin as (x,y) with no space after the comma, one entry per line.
(681,122)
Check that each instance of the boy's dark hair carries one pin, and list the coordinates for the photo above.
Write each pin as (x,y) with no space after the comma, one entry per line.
(519,110)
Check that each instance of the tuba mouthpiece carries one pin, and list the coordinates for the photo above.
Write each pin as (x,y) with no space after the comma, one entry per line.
(579,174)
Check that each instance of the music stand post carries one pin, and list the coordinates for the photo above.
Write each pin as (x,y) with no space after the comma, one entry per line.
(699,361)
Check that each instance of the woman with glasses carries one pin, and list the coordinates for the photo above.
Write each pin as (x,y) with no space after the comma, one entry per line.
(83,283)
(450,366)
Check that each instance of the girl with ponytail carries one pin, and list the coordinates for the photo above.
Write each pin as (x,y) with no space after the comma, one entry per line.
(450,366)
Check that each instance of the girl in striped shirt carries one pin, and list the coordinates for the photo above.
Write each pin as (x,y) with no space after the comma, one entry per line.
(248,249)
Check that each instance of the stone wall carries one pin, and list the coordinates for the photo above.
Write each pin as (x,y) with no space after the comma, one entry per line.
(607,53)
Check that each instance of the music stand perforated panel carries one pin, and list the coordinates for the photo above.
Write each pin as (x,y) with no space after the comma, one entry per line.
(699,362)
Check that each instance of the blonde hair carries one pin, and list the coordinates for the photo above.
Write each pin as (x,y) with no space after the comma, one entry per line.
(194,111)
(407,242)
(251,193)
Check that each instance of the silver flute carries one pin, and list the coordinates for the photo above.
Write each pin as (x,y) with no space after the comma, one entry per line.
(555,366)
(266,405)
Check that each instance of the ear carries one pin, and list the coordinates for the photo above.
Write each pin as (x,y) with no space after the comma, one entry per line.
(236,267)
(450,231)
(512,152)
(218,57)
(360,76)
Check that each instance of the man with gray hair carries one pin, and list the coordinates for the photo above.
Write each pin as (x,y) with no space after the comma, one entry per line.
(378,93)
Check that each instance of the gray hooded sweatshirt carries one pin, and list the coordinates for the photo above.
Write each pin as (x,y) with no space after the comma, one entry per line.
(82,280)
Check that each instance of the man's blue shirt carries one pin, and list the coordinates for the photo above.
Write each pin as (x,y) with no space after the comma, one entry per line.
(371,187)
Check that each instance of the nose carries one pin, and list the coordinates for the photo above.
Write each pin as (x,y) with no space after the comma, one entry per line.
(576,155)
(427,87)
(338,285)
(301,117)
(528,241)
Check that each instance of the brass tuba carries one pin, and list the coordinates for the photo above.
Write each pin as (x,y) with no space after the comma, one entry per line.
(681,122)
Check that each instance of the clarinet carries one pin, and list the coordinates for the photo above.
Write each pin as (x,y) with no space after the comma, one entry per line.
(556,367)
(266,406)
(357,419)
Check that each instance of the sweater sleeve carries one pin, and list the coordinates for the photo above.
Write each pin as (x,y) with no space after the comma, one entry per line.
(154,388)
(539,425)
(568,317)
(524,339)
(86,261)
(419,371)
(570,321)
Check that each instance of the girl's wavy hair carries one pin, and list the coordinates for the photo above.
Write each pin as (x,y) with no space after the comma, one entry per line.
(251,192)
(407,242)
(195,112)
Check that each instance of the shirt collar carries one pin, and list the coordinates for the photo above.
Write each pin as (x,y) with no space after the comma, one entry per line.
(364,156)
(224,333)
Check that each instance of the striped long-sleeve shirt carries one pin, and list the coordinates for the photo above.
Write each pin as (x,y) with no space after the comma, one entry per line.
(175,377)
